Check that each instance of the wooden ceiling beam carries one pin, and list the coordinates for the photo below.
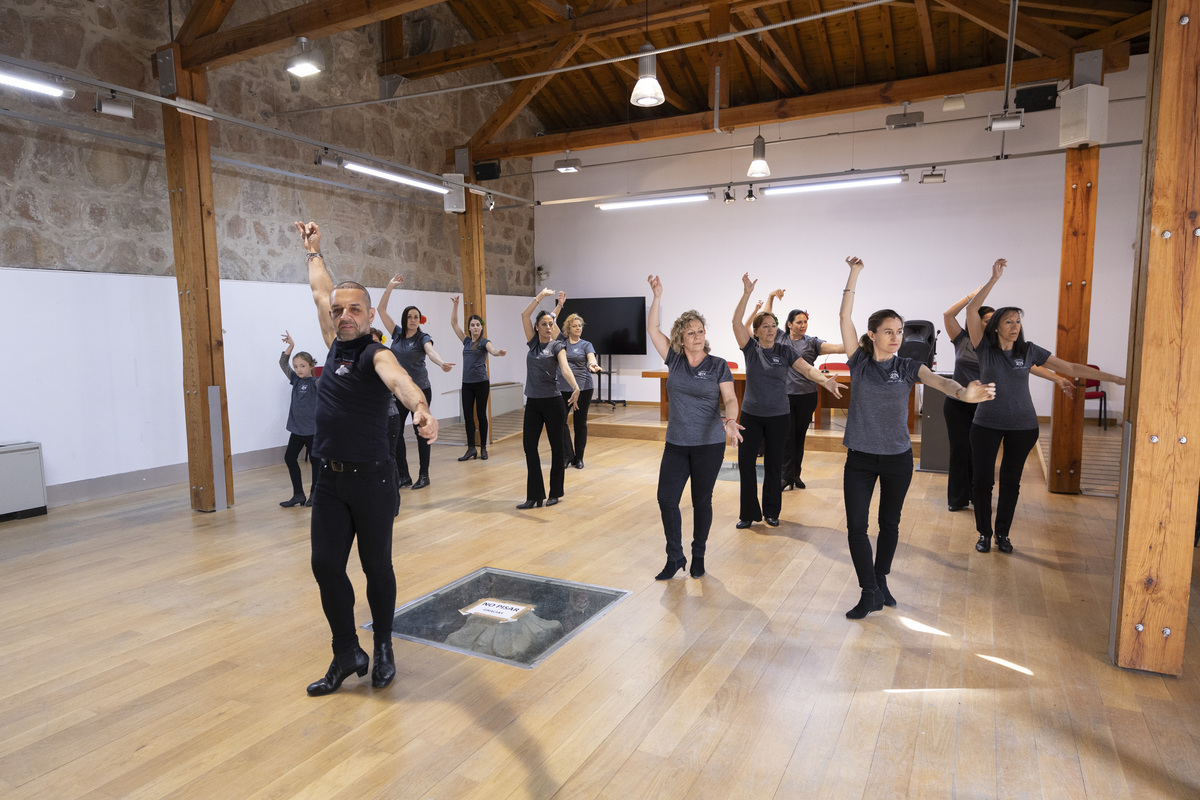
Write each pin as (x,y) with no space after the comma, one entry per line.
(1039,39)
(203,18)
(1121,32)
(841,101)
(717,55)
(889,41)
(755,52)
(831,77)
(860,60)
(690,76)
(1119,9)
(315,20)
(795,71)
(922,8)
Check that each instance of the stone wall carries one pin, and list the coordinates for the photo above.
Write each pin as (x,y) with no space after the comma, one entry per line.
(78,201)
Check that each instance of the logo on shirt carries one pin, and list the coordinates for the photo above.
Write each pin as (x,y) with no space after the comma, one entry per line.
(893,377)
(702,373)
(1018,362)
(343,369)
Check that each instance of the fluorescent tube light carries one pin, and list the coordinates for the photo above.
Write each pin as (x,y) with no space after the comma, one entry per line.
(848,183)
(653,201)
(392,176)
(41,87)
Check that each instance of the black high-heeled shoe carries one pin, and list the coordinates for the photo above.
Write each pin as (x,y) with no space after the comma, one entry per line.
(342,667)
(553,501)
(294,500)
(385,665)
(404,481)
(467,456)
(670,569)
(530,504)
(483,454)
(697,569)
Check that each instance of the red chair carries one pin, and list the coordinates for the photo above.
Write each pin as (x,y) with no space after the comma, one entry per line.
(1092,391)
(317,371)
(835,366)
(733,365)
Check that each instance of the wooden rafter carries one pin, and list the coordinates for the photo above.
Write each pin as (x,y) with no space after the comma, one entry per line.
(1121,32)
(841,101)
(889,41)
(926,24)
(794,69)
(860,61)
(203,18)
(689,74)
(831,77)
(755,52)
(315,20)
(1033,36)
(718,54)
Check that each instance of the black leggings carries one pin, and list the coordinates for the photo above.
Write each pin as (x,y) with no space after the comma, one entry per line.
(894,474)
(801,408)
(354,504)
(701,464)
(985,442)
(548,412)
(958,432)
(575,451)
(422,443)
(474,404)
(295,444)
(770,433)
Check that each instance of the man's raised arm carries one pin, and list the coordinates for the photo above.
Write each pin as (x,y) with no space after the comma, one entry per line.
(318,277)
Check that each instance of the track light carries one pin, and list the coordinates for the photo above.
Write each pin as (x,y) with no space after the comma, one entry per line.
(568,165)
(933,176)
(750,198)
(954,102)
(848,183)
(392,176)
(324,157)
(647,93)
(758,162)
(729,198)
(307,62)
(1005,122)
(114,106)
(489,202)
(41,87)
(642,202)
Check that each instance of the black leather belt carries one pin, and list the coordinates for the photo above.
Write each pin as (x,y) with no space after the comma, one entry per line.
(358,466)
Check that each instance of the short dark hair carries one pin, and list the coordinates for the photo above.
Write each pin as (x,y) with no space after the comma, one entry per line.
(358,286)
(985,310)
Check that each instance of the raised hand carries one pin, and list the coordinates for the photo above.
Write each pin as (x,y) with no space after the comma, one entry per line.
(310,236)
(454,302)
(998,269)
(287,339)
(544,293)
(655,285)
(855,263)
(396,280)
(777,294)
(747,284)
(562,298)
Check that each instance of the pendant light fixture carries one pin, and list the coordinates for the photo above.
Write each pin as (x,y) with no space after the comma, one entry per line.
(647,93)
(758,162)
(309,61)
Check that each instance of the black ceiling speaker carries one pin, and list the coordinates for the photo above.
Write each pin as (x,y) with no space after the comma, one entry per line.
(1037,98)
(487,170)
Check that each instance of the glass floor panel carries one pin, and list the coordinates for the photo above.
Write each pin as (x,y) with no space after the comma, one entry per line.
(504,616)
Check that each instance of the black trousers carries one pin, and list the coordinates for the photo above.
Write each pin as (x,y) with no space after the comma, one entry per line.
(474,403)
(422,443)
(958,430)
(347,505)
(700,464)
(295,444)
(769,432)
(575,451)
(985,442)
(800,417)
(551,414)
(894,474)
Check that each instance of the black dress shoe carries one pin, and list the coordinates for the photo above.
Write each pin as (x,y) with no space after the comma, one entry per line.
(530,504)
(984,545)
(471,453)
(955,508)
(742,524)
(800,484)
(1003,544)
(553,501)
(483,454)
(342,667)
(670,569)
(422,482)
(772,521)
(308,502)
(405,481)
(579,463)
(787,487)
(294,500)
(385,665)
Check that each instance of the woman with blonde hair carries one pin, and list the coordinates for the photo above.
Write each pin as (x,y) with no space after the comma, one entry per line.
(582,358)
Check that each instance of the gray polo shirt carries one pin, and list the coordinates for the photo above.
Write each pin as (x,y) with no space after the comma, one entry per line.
(541,368)
(766,378)
(966,363)
(807,348)
(577,357)
(1012,410)
(694,400)
(474,360)
(411,355)
(877,421)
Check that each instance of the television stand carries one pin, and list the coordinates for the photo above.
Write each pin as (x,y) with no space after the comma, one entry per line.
(600,384)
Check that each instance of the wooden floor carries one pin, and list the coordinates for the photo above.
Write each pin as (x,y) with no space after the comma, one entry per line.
(1100,464)
(152,652)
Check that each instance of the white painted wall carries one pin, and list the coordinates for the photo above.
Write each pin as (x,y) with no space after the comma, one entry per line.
(93,364)
(925,246)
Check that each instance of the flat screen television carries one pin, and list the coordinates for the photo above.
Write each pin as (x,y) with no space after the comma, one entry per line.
(616,326)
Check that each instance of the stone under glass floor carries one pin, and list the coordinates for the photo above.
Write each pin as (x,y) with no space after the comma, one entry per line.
(504,616)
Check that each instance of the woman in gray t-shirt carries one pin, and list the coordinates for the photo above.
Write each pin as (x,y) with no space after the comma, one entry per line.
(475,384)
(698,383)
(878,448)
(1005,358)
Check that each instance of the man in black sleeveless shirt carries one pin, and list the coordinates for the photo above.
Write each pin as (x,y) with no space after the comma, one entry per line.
(355,494)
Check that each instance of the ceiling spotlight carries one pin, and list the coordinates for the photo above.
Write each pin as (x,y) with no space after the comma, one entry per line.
(324,157)
(647,93)
(954,102)
(41,87)
(729,198)
(568,165)
(114,106)
(750,198)
(933,176)
(1005,122)
(758,162)
(307,62)
(489,202)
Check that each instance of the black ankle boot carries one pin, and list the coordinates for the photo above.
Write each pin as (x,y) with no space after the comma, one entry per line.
(881,582)
(871,600)
(670,569)
(984,545)
(483,454)
(342,667)
(295,500)
(1002,543)
(467,456)
(385,665)
(697,570)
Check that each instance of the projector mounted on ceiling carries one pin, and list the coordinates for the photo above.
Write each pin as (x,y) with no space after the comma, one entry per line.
(905,120)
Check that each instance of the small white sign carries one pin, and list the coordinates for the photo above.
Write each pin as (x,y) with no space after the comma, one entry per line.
(496,609)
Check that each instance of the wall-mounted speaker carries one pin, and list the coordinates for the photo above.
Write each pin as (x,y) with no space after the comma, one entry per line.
(1084,116)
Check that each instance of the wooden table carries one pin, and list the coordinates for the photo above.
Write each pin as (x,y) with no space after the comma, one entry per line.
(825,400)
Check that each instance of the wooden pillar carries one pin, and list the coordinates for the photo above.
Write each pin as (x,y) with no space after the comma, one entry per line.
(1158,492)
(193,230)
(718,52)
(1074,312)
(474,279)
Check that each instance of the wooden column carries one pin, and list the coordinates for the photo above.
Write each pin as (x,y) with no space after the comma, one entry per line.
(1158,492)
(193,229)
(1074,312)
(474,279)
(718,52)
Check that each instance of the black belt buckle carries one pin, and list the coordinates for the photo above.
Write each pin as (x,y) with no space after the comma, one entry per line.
(336,466)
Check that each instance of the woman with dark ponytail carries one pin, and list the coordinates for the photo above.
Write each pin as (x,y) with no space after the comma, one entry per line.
(475,385)
(878,447)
